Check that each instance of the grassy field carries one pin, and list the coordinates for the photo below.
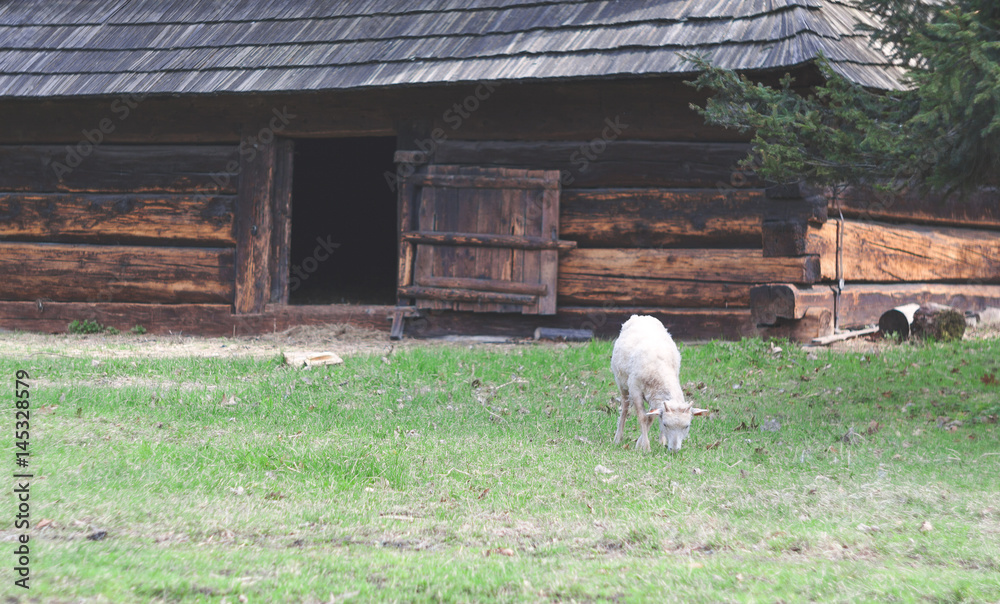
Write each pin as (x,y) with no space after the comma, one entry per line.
(488,474)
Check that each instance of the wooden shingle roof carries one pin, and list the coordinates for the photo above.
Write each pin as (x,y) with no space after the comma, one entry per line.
(101,47)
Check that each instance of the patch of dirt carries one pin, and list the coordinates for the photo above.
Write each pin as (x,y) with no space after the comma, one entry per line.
(341,339)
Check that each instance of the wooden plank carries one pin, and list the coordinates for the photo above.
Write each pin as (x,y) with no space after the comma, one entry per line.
(487,285)
(978,209)
(205,220)
(470,211)
(72,272)
(864,303)
(208,169)
(253,229)
(425,254)
(621,163)
(515,212)
(662,217)
(466,181)
(281,220)
(465,295)
(483,240)
(488,262)
(894,253)
(698,265)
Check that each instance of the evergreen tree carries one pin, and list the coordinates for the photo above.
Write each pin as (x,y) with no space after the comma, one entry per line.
(942,131)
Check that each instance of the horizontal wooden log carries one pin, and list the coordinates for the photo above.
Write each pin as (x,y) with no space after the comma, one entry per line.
(673,277)
(895,253)
(662,217)
(464,295)
(486,285)
(123,218)
(66,272)
(212,320)
(683,323)
(602,163)
(463,181)
(863,303)
(774,301)
(577,289)
(978,209)
(485,240)
(119,169)
(703,265)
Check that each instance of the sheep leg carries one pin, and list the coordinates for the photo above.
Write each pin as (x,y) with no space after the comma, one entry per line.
(644,421)
(622,417)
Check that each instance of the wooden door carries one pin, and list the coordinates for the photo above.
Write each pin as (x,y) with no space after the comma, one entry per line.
(481,239)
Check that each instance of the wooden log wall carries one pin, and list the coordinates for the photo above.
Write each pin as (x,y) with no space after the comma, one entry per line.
(889,250)
(114,223)
(658,224)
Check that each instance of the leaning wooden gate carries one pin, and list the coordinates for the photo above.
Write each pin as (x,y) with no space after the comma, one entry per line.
(479,239)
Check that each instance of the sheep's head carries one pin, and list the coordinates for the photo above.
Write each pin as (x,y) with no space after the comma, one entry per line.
(675,423)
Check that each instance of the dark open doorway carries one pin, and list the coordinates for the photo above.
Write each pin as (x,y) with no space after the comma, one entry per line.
(343,222)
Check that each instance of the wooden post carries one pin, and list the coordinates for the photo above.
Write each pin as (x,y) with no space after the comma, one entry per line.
(281,236)
(253,225)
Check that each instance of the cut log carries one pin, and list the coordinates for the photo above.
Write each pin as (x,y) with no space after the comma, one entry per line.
(896,321)
(938,322)
(786,301)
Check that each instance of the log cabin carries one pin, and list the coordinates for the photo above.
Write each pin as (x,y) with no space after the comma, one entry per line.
(437,167)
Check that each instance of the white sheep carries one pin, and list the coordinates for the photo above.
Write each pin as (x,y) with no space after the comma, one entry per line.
(647,366)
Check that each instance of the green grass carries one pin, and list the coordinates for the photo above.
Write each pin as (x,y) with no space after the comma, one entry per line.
(458,474)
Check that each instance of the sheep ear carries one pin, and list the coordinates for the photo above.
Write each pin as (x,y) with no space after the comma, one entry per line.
(697,411)
(654,412)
